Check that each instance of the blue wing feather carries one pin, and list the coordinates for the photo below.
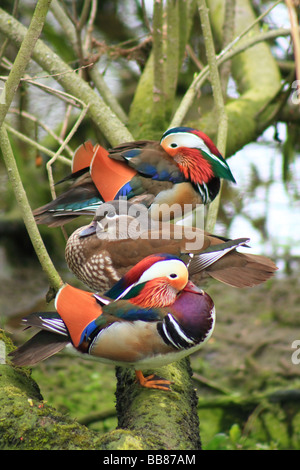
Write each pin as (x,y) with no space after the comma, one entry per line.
(125,191)
(136,313)
(161,171)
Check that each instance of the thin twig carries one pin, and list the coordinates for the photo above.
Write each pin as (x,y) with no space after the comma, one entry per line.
(295,37)
(46,128)
(36,145)
(109,124)
(228,35)
(211,384)
(171,65)
(211,57)
(61,148)
(23,57)
(84,14)
(66,121)
(94,73)
(106,94)
(194,57)
(6,40)
(18,69)
(218,101)
(64,21)
(228,53)
(79,25)
(146,20)
(158,104)
(73,100)
(90,24)
(21,197)
(246,30)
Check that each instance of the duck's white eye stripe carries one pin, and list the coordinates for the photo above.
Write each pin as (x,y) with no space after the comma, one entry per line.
(162,268)
(186,139)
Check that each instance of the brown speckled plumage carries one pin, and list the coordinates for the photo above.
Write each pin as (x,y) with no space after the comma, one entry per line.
(100,262)
(89,264)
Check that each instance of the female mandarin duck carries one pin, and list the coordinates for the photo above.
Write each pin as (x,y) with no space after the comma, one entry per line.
(150,318)
(185,167)
(100,253)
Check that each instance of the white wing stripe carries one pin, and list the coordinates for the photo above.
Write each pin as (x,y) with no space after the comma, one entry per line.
(168,336)
(55,325)
(179,330)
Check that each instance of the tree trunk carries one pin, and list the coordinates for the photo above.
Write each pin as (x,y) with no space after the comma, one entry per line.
(148,419)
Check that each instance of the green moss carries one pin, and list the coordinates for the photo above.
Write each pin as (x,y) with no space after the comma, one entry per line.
(123,440)
(79,388)
(27,422)
(173,413)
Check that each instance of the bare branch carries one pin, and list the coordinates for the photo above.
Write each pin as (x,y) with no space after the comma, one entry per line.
(218,101)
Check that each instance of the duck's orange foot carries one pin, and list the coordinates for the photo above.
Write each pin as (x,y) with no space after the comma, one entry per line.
(153,381)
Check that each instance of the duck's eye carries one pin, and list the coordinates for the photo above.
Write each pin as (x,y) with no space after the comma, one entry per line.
(111,214)
(173,145)
(173,275)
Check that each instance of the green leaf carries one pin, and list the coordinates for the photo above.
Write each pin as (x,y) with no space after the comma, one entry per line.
(235,433)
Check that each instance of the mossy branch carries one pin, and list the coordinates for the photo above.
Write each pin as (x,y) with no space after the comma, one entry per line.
(167,420)
(227,38)
(173,40)
(106,94)
(140,117)
(27,422)
(158,105)
(149,419)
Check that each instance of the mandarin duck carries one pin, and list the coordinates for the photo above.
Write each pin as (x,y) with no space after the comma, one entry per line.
(159,318)
(185,167)
(121,234)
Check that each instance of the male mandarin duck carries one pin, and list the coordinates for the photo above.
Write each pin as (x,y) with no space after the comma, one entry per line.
(100,253)
(152,317)
(185,167)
